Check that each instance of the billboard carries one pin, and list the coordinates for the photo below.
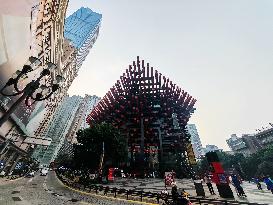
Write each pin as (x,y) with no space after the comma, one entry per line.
(190,154)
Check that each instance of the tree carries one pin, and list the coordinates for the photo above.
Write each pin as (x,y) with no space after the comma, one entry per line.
(87,154)
(255,165)
(265,169)
(64,160)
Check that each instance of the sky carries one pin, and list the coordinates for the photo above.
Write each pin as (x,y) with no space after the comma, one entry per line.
(221,52)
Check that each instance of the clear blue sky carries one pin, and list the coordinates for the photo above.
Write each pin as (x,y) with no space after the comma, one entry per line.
(221,52)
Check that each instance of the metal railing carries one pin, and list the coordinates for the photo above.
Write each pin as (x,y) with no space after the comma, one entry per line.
(142,195)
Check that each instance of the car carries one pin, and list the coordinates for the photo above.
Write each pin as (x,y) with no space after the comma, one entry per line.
(30,174)
(44,172)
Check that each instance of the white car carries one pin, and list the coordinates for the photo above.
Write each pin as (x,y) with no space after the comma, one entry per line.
(31,174)
(44,171)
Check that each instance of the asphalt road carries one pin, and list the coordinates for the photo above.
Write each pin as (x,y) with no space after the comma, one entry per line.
(46,190)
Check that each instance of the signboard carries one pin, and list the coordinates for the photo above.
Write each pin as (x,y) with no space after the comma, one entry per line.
(169,178)
(38,141)
(190,154)
(111,174)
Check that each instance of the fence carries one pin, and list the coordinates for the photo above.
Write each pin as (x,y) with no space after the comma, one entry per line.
(141,195)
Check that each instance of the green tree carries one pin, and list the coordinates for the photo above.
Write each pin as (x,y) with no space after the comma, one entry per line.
(257,164)
(88,152)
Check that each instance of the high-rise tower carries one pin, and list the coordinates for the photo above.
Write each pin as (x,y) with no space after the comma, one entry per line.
(81,30)
(195,140)
(58,128)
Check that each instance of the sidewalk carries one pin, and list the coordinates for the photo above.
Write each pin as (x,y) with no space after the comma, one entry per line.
(9,179)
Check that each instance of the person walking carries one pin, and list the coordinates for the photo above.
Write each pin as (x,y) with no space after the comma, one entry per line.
(257,181)
(208,181)
(238,186)
(269,183)
(175,194)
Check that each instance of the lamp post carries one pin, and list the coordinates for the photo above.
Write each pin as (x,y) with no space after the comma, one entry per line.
(34,90)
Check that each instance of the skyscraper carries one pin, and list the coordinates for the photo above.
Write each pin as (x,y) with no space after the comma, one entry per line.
(81,30)
(79,121)
(68,119)
(57,130)
(195,140)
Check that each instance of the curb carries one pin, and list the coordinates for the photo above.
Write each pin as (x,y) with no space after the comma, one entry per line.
(13,180)
(104,197)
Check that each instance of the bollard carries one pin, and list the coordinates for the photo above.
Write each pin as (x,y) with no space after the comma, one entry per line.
(157,198)
(115,191)
(127,194)
(141,195)
(96,189)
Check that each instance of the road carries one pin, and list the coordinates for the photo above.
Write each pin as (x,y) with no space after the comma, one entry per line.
(46,190)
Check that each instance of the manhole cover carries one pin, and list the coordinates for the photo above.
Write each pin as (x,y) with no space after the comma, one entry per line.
(15,192)
(15,198)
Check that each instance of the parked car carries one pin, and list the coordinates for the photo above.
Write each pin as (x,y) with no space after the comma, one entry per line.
(44,171)
(31,174)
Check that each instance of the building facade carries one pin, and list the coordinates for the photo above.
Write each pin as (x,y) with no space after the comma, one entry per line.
(79,122)
(195,140)
(68,119)
(22,35)
(37,28)
(251,143)
(265,137)
(81,30)
(246,145)
(211,148)
(58,129)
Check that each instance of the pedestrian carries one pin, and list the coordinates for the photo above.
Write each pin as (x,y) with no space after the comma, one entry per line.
(174,194)
(238,186)
(269,183)
(208,181)
(257,181)
(164,195)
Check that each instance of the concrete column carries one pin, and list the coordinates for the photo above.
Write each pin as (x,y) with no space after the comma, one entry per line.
(14,163)
(9,159)
(4,154)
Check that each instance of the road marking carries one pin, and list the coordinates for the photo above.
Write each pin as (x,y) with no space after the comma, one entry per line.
(30,180)
(83,202)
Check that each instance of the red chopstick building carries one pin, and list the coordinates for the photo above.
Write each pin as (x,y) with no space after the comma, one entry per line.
(151,111)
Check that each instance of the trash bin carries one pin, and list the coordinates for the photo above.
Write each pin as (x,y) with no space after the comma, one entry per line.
(199,188)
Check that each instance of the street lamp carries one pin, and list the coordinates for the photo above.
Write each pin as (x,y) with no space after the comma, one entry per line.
(34,90)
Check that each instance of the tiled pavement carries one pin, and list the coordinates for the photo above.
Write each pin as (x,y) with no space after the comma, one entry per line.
(157,185)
